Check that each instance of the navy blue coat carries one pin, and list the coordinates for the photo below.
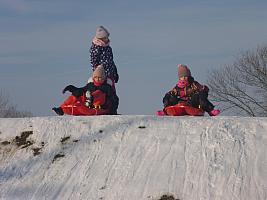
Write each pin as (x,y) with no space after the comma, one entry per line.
(103,55)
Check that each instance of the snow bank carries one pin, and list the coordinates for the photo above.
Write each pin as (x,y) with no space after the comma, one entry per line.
(133,158)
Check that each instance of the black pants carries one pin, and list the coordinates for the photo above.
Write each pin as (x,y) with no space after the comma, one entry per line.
(114,105)
(170,100)
(201,99)
(197,100)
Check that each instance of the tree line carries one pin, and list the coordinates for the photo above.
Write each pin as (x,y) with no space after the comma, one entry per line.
(241,87)
(8,110)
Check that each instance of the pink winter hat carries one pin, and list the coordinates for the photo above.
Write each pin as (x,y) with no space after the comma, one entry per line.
(102,32)
(183,70)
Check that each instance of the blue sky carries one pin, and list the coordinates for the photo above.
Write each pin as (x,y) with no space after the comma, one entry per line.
(45,45)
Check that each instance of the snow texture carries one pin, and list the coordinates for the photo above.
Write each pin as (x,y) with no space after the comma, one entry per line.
(133,158)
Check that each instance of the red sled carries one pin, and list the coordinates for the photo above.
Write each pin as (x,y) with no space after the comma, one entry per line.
(183,108)
(76,106)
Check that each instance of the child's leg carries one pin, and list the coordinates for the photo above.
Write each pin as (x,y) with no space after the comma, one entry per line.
(115,104)
(115,100)
(205,103)
(69,101)
(68,105)
(170,100)
(200,100)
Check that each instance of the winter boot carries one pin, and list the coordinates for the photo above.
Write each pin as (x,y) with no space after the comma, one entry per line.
(58,110)
(214,112)
(113,112)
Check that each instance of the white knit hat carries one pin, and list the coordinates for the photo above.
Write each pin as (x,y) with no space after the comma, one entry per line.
(102,32)
(99,71)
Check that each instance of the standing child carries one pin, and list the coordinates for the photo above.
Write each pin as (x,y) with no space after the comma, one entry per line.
(190,91)
(101,54)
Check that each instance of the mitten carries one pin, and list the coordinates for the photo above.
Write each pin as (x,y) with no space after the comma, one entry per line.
(69,88)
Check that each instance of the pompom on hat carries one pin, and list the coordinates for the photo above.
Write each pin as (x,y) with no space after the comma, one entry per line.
(99,72)
(183,71)
(101,32)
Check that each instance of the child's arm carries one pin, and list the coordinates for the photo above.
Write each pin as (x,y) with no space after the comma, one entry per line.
(116,75)
(95,56)
(197,87)
(171,97)
(78,92)
(107,89)
(111,95)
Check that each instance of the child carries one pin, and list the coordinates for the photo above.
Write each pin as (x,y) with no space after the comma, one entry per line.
(101,53)
(190,91)
(85,95)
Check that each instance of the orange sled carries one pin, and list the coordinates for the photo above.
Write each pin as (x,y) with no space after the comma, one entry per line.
(183,108)
(76,106)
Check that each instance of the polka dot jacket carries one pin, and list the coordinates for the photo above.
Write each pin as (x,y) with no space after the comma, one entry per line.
(103,55)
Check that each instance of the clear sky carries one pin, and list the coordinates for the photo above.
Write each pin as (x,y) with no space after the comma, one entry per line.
(44,45)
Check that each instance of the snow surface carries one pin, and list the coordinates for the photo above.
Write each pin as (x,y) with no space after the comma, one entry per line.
(133,158)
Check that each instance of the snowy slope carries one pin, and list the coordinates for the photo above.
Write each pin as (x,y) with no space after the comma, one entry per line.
(133,158)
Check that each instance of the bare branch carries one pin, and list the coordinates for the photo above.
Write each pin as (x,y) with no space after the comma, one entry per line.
(9,111)
(242,86)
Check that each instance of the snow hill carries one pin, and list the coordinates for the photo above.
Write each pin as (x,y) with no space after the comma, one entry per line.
(133,158)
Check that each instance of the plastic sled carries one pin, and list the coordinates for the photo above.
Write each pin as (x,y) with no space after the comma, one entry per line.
(182,108)
(76,106)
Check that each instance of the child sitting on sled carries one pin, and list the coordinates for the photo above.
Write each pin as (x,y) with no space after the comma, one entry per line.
(189,91)
(82,100)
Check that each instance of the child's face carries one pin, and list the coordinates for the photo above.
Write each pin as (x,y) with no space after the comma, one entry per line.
(184,78)
(99,79)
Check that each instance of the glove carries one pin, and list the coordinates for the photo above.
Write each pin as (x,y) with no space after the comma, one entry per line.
(69,88)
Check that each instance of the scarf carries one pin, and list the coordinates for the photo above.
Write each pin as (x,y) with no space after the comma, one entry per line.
(97,83)
(182,83)
(100,42)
